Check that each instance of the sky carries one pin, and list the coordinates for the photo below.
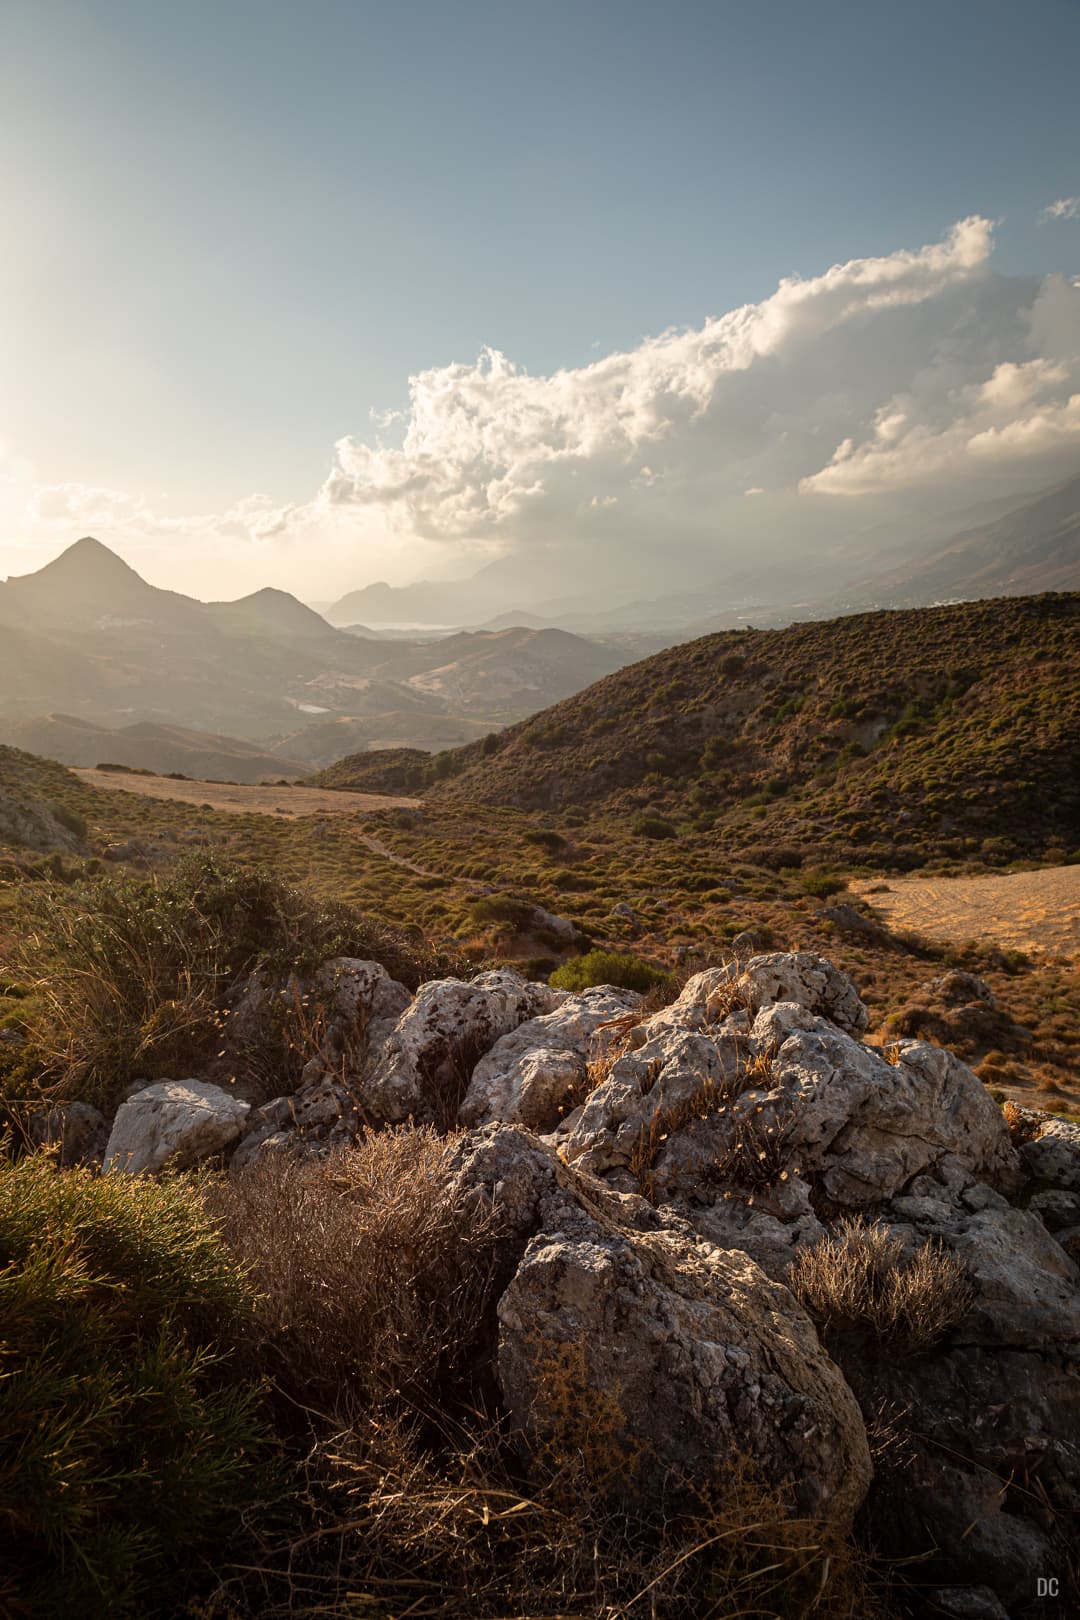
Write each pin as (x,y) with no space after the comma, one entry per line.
(313,294)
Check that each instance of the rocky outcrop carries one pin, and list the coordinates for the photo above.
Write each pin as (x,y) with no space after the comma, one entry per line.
(531,1074)
(363,1000)
(807,980)
(424,1067)
(750,1111)
(655,1177)
(661,1360)
(176,1123)
(36,826)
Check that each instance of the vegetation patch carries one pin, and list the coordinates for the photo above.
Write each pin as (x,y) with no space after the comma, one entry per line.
(130,1442)
(607,967)
(859,1282)
(132,975)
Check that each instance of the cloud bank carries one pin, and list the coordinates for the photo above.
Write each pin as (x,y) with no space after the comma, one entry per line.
(840,400)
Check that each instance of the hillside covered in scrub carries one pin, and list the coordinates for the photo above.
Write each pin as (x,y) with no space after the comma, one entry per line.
(889,737)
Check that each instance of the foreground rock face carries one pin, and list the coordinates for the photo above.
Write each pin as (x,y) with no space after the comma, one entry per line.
(750,1111)
(687,1357)
(662,1360)
(530,1074)
(176,1122)
(656,1177)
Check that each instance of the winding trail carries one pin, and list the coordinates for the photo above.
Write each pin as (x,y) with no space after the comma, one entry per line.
(377,847)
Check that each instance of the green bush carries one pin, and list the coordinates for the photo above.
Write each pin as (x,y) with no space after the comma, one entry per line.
(128,1443)
(71,819)
(607,967)
(504,908)
(652,827)
(822,884)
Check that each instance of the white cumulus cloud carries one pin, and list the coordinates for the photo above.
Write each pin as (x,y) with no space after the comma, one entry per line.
(488,448)
(842,400)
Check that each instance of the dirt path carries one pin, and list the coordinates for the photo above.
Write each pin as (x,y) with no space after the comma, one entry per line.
(289,803)
(1037,912)
(377,847)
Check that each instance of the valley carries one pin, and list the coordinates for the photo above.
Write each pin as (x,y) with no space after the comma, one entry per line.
(97,666)
(870,788)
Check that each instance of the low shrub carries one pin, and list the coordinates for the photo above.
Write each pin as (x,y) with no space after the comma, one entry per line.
(129,1444)
(607,967)
(373,1275)
(822,884)
(857,1282)
(503,908)
(652,827)
(71,819)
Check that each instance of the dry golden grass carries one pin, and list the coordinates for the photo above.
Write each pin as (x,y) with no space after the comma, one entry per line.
(414,1498)
(239,798)
(399,1528)
(856,1281)
(374,1275)
(1036,912)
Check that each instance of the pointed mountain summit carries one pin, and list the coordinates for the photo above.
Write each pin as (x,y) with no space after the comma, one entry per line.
(85,559)
(90,587)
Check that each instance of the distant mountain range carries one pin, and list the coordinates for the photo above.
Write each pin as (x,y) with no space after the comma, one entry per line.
(1033,548)
(95,661)
(1028,546)
(91,655)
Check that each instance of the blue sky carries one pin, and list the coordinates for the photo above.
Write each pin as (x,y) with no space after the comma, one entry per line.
(235,230)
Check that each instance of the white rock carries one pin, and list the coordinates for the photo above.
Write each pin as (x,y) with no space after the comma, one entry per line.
(427,1061)
(808,980)
(363,996)
(175,1122)
(529,1073)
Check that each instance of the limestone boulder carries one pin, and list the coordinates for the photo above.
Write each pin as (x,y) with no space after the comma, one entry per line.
(364,1002)
(861,1125)
(1052,1157)
(426,1063)
(995,1402)
(621,1333)
(807,980)
(659,1359)
(633,1111)
(176,1123)
(532,1074)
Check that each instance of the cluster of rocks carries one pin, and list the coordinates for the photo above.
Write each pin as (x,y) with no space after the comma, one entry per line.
(657,1176)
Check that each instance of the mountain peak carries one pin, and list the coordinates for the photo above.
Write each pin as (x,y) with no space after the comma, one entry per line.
(272,609)
(88,558)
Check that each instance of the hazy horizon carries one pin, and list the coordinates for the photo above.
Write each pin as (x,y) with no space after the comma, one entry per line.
(315,298)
